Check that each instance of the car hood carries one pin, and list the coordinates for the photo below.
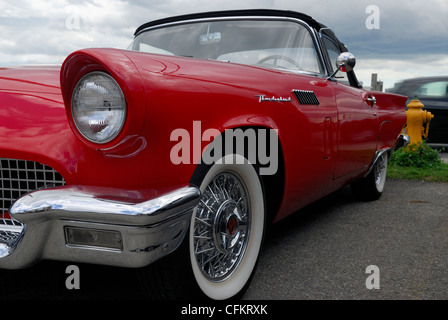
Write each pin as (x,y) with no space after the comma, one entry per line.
(33,120)
(39,79)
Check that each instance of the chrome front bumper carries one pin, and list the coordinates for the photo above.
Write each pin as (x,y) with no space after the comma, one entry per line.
(96,225)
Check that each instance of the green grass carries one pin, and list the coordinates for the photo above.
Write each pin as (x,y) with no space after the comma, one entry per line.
(439,174)
(417,162)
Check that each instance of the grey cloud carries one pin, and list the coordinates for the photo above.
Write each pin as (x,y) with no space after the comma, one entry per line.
(408,29)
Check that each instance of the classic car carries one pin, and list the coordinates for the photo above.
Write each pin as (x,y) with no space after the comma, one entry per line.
(173,156)
(433,93)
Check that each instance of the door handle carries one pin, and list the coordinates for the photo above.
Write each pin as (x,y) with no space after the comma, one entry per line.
(371,100)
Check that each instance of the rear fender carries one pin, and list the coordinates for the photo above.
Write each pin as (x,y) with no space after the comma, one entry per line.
(390,110)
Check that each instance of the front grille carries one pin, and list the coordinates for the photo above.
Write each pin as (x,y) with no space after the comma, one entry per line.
(18,177)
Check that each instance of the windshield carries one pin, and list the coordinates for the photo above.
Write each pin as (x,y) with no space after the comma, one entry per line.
(268,43)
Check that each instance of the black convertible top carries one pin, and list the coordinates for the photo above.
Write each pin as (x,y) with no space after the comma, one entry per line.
(235,13)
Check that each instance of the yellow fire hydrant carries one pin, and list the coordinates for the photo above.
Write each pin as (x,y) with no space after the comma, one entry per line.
(416,117)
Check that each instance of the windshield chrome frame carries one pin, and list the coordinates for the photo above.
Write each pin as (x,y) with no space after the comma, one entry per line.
(312,31)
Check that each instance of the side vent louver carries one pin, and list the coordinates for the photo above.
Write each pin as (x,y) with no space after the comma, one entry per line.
(306,97)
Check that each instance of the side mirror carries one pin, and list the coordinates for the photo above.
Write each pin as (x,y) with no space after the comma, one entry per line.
(345,63)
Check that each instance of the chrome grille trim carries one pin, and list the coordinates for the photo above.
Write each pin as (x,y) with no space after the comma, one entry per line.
(18,177)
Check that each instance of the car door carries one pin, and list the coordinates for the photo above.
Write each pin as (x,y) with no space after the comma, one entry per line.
(357,131)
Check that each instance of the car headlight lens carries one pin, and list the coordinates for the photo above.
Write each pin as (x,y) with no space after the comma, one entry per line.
(98,107)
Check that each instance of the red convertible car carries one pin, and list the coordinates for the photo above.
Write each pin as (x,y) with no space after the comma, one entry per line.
(172,156)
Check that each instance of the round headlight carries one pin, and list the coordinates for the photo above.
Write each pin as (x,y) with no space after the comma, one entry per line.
(98,107)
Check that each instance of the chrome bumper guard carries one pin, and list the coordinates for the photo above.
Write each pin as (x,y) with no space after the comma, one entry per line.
(403,141)
(94,225)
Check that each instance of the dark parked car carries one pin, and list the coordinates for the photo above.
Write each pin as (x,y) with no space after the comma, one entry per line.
(433,93)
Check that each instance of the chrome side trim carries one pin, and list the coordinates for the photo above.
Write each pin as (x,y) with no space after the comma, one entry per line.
(377,155)
(402,141)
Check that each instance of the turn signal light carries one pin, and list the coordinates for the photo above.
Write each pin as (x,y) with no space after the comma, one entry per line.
(93,238)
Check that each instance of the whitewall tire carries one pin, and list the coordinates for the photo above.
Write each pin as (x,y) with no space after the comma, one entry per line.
(227,228)
(371,187)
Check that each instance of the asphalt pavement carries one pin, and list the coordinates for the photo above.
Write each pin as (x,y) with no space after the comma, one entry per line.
(323,252)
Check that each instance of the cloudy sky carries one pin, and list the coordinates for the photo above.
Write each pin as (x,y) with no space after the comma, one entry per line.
(396,39)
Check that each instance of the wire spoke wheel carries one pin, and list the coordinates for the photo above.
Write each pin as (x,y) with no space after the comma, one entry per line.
(227,228)
(372,186)
(219,254)
(222,226)
(379,172)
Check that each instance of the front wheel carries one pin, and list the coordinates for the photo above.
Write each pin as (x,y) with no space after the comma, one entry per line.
(227,229)
(219,254)
(371,187)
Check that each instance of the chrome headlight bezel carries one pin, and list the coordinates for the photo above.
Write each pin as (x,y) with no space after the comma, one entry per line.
(98,107)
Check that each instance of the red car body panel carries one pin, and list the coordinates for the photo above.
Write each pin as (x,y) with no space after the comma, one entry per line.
(33,124)
(324,147)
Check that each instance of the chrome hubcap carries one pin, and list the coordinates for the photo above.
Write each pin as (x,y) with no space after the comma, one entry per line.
(221,226)
(226,226)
